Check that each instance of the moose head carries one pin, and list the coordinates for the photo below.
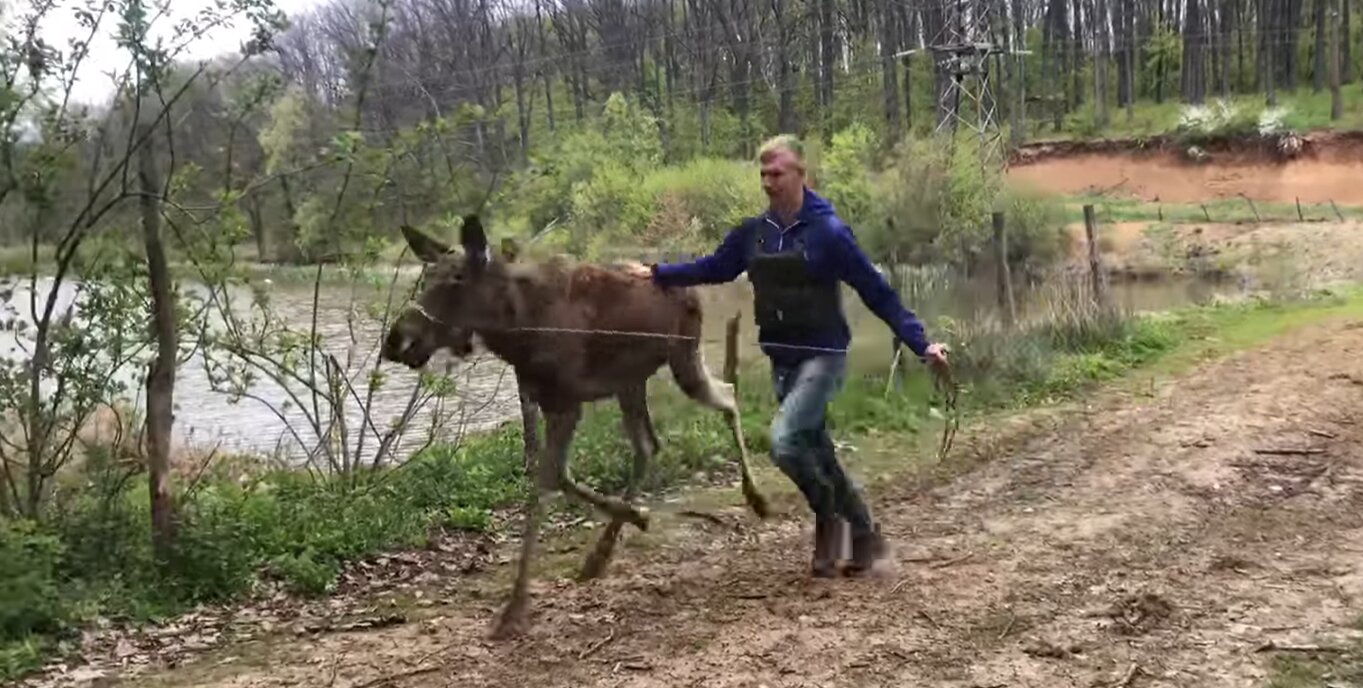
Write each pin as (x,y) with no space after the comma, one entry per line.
(463,291)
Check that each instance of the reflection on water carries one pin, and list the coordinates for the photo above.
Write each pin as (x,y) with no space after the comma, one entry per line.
(274,420)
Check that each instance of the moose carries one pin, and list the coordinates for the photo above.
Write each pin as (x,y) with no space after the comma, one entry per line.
(573,333)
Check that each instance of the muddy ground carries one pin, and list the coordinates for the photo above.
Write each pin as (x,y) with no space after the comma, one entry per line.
(1172,535)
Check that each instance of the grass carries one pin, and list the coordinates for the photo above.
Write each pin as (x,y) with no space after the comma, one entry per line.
(1319,669)
(17,261)
(91,559)
(1230,211)
(1303,109)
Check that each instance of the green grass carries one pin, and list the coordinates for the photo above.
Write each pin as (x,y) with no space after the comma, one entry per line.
(1230,211)
(1317,670)
(17,261)
(1304,111)
(92,558)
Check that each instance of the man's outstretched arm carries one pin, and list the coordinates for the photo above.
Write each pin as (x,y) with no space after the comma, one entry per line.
(856,269)
(724,265)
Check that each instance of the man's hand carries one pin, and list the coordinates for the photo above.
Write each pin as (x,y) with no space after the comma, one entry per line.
(936,356)
(636,269)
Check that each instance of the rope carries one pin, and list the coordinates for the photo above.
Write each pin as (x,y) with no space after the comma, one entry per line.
(943,381)
(944,384)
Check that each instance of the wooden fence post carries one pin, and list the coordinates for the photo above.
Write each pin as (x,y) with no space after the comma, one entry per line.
(1095,259)
(1005,283)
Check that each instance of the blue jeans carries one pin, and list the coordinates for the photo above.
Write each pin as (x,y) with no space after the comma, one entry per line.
(800,445)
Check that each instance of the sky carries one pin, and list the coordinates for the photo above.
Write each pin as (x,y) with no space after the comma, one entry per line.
(93,84)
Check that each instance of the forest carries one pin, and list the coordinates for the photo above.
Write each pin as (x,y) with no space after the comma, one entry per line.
(228,227)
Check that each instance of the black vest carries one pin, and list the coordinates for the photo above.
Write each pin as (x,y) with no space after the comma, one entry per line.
(787,298)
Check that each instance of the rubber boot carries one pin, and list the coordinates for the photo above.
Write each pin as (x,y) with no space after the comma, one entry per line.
(827,547)
(867,548)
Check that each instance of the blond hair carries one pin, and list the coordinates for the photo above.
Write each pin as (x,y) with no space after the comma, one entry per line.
(786,142)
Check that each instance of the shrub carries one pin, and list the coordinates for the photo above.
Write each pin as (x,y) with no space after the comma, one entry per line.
(933,204)
(29,562)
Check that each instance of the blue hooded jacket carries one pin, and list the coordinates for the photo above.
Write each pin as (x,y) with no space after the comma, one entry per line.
(830,251)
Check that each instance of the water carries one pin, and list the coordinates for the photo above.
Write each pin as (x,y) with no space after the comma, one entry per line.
(275,420)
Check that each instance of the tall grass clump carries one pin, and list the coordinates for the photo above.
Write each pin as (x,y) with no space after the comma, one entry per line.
(1064,344)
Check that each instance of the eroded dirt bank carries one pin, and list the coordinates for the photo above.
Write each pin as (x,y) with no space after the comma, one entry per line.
(1146,540)
(1327,169)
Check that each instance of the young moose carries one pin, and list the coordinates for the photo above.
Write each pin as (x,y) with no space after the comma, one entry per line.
(572,334)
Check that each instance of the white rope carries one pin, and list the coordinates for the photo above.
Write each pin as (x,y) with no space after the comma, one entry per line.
(624,333)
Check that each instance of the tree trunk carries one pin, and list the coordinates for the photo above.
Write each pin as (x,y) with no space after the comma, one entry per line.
(1346,71)
(1099,22)
(1289,45)
(1020,76)
(1129,47)
(1270,61)
(827,52)
(1336,99)
(1161,65)
(889,79)
(1318,71)
(1077,54)
(1223,47)
(161,376)
(1239,44)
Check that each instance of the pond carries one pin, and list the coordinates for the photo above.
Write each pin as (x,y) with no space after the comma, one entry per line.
(274,423)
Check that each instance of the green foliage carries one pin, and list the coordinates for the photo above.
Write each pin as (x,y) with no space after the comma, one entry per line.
(606,188)
(934,203)
(844,172)
(29,599)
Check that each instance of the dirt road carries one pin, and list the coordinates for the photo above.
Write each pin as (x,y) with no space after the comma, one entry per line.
(1146,540)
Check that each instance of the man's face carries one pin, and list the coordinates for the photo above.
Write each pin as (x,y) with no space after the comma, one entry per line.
(781,174)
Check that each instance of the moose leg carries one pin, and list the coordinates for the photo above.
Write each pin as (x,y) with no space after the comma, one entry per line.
(639,429)
(514,618)
(559,428)
(688,368)
(615,508)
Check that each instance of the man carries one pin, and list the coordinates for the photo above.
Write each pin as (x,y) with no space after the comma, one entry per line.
(796,253)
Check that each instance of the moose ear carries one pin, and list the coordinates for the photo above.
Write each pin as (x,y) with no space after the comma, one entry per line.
(510,249)
(474,240)
(427,248)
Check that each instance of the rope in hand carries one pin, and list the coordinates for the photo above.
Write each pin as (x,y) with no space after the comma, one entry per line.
(945,384)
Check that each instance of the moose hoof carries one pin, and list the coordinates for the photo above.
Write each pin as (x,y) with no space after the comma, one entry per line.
(593,567)
(514,621)
(639,517)
(756,501)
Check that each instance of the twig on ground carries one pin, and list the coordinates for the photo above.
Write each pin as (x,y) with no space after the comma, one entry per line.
(1289,452)
(703,516)
(596,647)
(335,669)
(390,679)
(954,561)
(923,613)
(1012,619)
(1271,646)
(1131,673)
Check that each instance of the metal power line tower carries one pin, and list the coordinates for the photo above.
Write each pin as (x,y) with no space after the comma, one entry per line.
(964,51)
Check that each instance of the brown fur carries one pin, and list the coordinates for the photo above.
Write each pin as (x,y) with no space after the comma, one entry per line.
(573,333)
